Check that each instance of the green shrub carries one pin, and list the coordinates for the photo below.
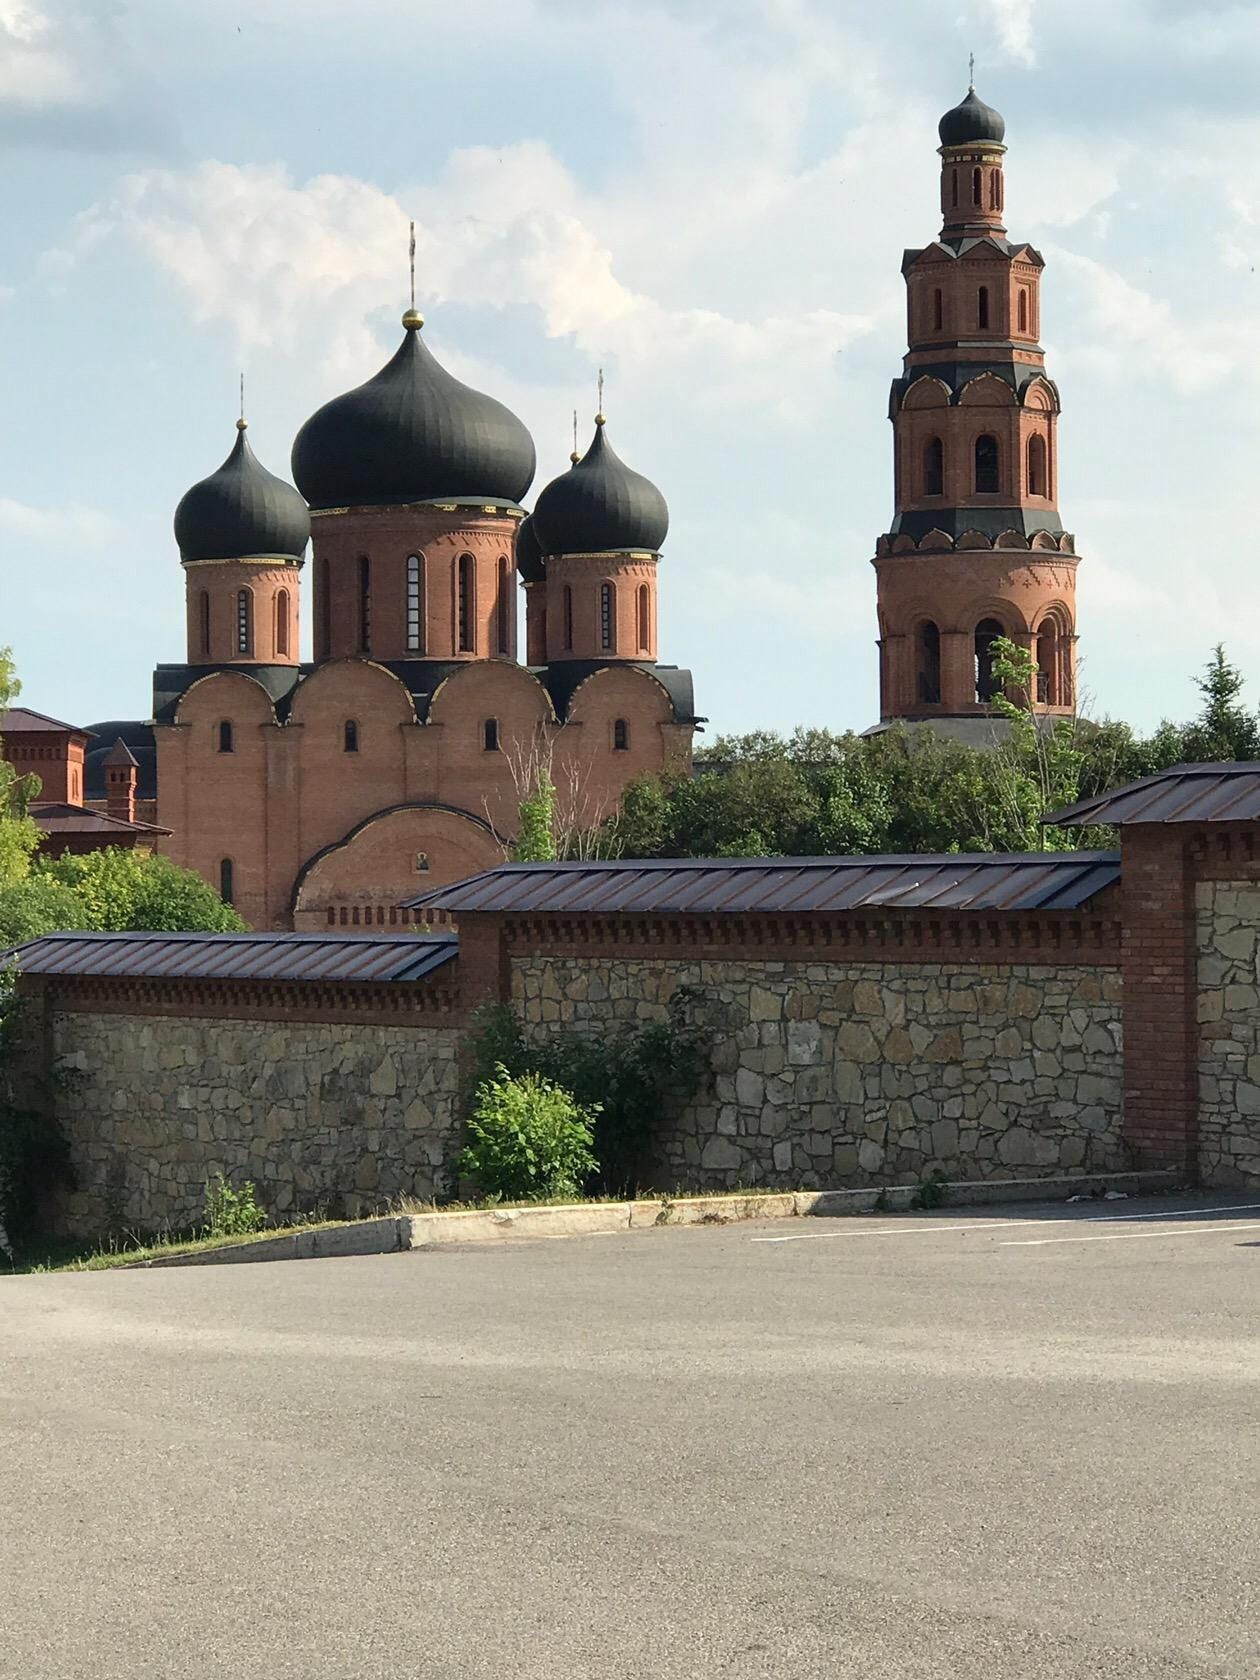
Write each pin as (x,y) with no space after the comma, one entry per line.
(528,1140)
(231,1213)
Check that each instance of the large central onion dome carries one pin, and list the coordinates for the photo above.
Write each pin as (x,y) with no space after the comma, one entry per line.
(600,506)
(242,512)
(412,434)
(972,120)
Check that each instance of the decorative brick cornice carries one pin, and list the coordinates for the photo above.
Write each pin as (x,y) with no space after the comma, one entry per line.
(401,1003)
(1223,854)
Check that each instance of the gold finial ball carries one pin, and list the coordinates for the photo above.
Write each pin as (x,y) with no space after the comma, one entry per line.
(413,319)
(574,457)
(242,424)
(599,420)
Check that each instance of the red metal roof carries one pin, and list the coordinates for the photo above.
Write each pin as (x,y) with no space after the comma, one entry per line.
(59,818)
(238,956)
(20,720)
(962,881)
(1186,793)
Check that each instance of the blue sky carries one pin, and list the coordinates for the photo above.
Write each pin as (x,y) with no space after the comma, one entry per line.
(710,201)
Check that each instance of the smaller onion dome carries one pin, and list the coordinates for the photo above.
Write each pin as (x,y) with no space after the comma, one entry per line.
(600,506)
(242,512)
(972,120)
(530,567)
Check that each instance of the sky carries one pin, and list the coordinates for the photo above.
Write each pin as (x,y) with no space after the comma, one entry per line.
(706,198)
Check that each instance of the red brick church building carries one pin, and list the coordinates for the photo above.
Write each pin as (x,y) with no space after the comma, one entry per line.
(327,793)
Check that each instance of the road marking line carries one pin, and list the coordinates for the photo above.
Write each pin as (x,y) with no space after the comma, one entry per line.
(1008,1224)
(1132,1236)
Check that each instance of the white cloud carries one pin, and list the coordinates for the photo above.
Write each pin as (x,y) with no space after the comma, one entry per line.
(1013,20)
(37,67)
(71,527)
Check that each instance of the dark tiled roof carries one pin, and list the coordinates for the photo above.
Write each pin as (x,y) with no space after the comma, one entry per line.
(59,818)
(238,956)
(966,881)
(20,720)
(1186,793)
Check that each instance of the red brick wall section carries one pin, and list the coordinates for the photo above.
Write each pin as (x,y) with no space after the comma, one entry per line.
(1160,1003)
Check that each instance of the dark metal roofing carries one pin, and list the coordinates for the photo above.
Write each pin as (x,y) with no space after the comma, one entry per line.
(238,956)
(57,817)
(138,739)
(600,506)
(21,720)
(241,512)
(964,881)
(1186,793)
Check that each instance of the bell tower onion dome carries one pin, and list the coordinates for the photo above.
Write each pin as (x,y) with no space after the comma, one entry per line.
(412,433)
(530,566)
(242,512)
(971,121)
(600,506)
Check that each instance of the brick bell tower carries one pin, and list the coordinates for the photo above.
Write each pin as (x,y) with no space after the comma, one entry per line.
(976,549)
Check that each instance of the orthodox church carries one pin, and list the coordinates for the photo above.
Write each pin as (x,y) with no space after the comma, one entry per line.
(326,793)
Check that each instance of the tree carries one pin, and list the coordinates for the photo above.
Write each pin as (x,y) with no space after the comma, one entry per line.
(18,834)
(127,891)
(535,842)
(1225,728)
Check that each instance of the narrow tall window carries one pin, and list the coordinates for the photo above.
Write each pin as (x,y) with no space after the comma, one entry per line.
(365,604)
(621,735)
(982,307)
(994,195)
(244,628)
(976,179)
(203,622)
(1022,310)
(938,310)
(282,623)
(415,604)
(568,616)
(1037,465)
(225,880)
(933,467)
(490,735)
(350,736)
(987,632)
(607,617)
(225,737)
(501,608)
(323,616)
(987,474)
(467,605)
(645,618)
(954,199)
(928,653)
(1048,664)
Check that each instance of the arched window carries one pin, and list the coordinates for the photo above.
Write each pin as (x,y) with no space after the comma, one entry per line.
(1037,465)
(467,605)
(501,608)
(490,735)
(225,880)
(621,735)
(365,604)
(933,467)
(928,660)
(994,195)
(938,310)
(988,477)
(323,614)
(415,604)
(607,617)
(225,737)
(954,199)
(1021,310)
(244,621)
(982,307)
(282,624)
(350,736)
(987,632)
(568,616)
(1048,664)
(203,622)
(976,179)
(645,618)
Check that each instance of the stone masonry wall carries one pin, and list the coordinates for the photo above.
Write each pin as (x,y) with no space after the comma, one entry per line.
(344,1116)
(877,1073)
(1227,914)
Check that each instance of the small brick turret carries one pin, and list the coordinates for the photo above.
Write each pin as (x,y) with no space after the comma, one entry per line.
(121,772)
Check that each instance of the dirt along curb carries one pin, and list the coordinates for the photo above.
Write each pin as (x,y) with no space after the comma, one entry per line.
(399,1232)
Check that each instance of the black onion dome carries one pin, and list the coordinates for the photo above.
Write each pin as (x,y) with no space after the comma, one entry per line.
(972,120)
(600,506)
(241,512)
(413,433)
(530,567)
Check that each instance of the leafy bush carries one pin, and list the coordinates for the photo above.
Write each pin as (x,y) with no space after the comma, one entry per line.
(231,1213)
(528,1140)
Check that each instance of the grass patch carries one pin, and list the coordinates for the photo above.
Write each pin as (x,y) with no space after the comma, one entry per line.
(127,1250)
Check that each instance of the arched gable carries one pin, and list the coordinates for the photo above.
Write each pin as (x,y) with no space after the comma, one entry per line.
(986,390)
(496,687)
(927,392)
(339,688)
(974,539)
(225,694)
(1010,539)
(1040,395)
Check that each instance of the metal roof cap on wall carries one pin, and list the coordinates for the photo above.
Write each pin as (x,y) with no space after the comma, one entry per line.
(680,886)
(341,958)
(1184,793)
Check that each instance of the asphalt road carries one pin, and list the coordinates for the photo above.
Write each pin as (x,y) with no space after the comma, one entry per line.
(1003,1446)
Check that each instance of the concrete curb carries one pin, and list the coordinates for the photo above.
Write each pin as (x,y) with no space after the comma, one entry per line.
(441,1230)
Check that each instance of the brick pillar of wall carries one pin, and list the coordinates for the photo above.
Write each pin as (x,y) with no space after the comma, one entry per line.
(1160,998)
